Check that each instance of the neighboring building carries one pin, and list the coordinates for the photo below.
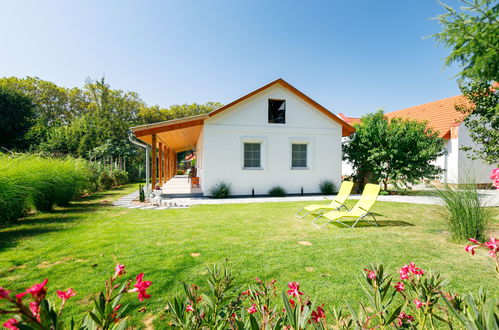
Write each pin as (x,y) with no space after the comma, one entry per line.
(442,116)
(275,135)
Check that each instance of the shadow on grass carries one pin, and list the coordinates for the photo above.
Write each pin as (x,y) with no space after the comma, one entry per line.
(10,238)
(382,223)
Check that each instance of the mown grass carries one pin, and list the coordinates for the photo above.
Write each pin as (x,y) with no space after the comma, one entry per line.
(78,246)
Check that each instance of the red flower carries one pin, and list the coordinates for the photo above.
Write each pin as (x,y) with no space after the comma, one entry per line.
(38,291)
(403,317)
(294,289)
(493,245)
(252,309)
(189,308)
(11,324)
(3,293)
(370,273)
(35,309)
(119,270)
(474,241)
(418,303)
(117,308)
(399,286)
(471,249)
(318,315)
(246,293)
(65,295)
(292,302)
(141,287)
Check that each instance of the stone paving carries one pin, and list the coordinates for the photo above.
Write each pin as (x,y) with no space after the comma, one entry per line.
(489,197)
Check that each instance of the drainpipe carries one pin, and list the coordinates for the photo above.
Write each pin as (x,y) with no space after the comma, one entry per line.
(132,139)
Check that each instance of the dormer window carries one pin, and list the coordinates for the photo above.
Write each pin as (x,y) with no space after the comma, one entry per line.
(277,111)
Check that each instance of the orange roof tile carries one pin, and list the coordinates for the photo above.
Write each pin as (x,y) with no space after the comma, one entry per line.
(441,115)
(349,120)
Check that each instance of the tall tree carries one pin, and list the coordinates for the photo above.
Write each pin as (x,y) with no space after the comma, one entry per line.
(16,111)
(396,151)
(472,34)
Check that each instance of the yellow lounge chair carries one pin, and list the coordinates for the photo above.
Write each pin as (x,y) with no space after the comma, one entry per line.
(360,211)
(336,204)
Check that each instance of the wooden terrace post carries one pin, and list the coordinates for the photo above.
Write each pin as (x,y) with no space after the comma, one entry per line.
(165,167)
(154,160)
(160,164)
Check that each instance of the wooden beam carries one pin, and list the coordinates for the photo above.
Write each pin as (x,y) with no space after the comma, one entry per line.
(153,171)
(160,163)
(154,130)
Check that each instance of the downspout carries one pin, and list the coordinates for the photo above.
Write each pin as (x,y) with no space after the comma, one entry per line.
(132,139)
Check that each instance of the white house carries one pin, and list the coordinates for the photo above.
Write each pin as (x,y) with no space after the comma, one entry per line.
(442,116)
(273,136)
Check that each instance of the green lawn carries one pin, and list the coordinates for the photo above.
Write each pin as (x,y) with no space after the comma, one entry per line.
(78,247)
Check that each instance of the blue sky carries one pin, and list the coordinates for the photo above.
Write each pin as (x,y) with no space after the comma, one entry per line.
(350,56)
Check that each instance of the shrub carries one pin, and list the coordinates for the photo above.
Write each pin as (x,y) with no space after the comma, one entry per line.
(120,177)
(32,182)
(277,191)
(142,195)
(180,172)
(220,190)
(106,180)
(326,187)
(465,214)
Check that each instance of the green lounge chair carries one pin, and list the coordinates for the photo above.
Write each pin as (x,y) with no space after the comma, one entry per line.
(360,211)
(336,204)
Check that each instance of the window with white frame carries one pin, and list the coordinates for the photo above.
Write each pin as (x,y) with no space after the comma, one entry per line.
(299,155)
(252,155)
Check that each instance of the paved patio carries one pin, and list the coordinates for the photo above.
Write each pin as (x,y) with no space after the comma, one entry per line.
(489,197)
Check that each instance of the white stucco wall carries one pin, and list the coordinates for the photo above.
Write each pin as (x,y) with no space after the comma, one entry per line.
(225,133)
(468,168)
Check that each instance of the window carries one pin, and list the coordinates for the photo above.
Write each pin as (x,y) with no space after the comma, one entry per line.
(277,111)
(299,155)
(252,155)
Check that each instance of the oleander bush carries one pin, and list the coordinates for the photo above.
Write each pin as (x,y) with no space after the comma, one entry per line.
(277,191)
(220,190)
(326,187)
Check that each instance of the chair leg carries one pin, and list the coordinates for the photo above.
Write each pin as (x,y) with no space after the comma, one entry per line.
(301,216)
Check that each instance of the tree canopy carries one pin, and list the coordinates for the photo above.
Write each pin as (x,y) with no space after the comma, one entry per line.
(472,34)
(16,111)
(396,151)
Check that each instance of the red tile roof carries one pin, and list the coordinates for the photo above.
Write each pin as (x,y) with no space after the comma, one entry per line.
(440,115)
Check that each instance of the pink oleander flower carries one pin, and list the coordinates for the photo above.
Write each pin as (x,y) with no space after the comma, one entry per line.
(471,249)
(34,307)
(495,177)
(38,291)
(408,270)
(370,273)
(252,309)
(117,308)
(119,270)
(399,286)
(65,295)
(294,289)
(418,303)
(189,308)
(403,317)
(3,293)
(318,315)
(292,302)
(11,324)
(493,246)
(141,287)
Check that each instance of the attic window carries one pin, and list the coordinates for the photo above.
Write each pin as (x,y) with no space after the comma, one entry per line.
(277,111)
